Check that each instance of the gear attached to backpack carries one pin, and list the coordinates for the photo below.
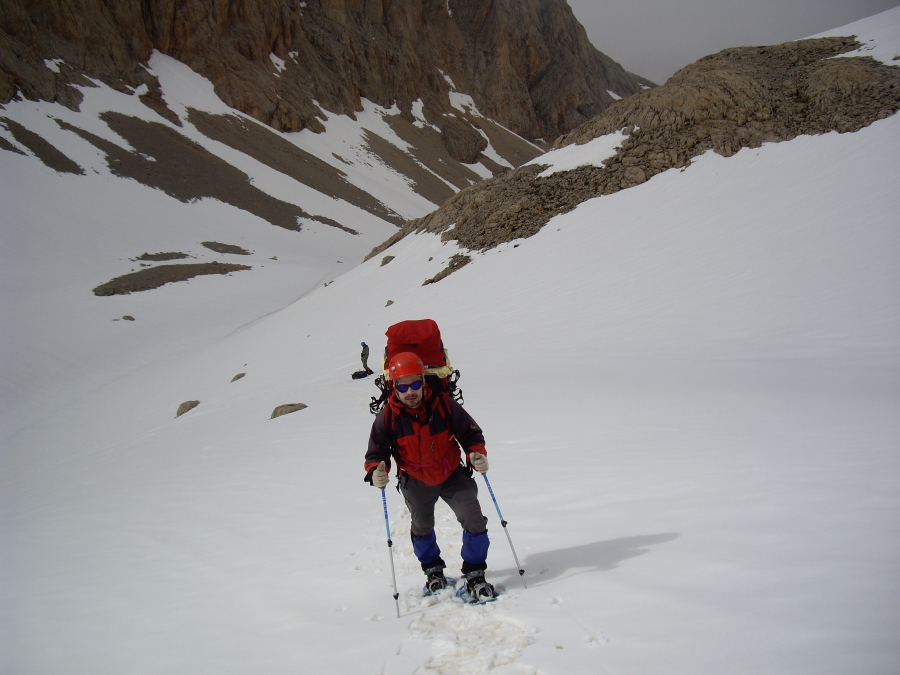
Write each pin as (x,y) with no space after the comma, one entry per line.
(423,338)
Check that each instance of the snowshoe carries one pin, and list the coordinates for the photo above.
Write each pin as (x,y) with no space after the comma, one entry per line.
(435,581)
(476,590)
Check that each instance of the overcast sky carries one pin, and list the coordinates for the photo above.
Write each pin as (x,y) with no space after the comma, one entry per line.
(654,38)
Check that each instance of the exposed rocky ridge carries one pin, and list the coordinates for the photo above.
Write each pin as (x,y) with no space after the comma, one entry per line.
(154,277)
(526,63)
(727,101)
(164,159)
(170,160)
(276,152)
(43,150)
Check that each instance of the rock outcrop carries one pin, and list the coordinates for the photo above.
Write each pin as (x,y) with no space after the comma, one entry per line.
(287,409)
(187,406)
(45,152)
(727,101)
(153,277)
(526,63)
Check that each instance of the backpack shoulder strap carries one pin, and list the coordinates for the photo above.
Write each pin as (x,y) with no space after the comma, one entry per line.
(389,420)
(445,404)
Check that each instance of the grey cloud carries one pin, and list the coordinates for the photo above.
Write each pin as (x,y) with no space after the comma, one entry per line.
(654,38)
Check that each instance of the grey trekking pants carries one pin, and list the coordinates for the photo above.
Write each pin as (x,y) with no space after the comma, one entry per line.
(459,491)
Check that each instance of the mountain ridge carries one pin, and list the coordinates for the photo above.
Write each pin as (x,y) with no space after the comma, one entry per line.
(737,98)
(526,64)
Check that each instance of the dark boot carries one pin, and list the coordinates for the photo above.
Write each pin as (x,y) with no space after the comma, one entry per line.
(478,588)
(435,579)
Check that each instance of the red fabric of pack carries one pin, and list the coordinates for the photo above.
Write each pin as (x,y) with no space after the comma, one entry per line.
(420,336)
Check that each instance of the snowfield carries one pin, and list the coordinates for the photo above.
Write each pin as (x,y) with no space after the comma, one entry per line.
(690,392)
(64,234)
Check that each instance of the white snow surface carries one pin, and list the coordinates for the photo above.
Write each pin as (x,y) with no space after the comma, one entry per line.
(593,153)
(879,34)
(279,63)
(53,64)
(690,392)
(63,235)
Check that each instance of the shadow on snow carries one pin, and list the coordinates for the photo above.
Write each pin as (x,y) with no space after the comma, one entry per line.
(546,566)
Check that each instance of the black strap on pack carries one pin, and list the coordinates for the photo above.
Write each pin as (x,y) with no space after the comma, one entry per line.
(454,391)
(378,403)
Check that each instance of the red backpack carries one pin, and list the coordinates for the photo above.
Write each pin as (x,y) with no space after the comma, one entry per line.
(423,338)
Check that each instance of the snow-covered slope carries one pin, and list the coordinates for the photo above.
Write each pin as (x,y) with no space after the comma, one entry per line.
(689,391)
(63,233)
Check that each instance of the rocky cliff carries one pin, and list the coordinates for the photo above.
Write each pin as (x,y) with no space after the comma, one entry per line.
(526,63)
(735,99)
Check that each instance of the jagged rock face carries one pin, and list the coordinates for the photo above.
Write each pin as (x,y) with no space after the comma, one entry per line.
(517,52)
(734,99)
(526,63)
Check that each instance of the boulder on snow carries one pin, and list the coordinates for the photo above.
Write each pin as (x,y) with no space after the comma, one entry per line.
(219,247)
(165,255)
(184,407)
(286,409)
(457,260)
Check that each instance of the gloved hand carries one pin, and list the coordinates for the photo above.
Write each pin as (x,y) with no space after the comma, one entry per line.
(479,462)
(380,477)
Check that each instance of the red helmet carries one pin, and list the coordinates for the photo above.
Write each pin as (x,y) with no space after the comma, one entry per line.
(405,363)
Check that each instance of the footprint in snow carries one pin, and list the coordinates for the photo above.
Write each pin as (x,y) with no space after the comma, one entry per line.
(470,639)
(466,639)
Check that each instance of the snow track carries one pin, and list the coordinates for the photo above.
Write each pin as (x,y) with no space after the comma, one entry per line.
(470,639)
(464,638)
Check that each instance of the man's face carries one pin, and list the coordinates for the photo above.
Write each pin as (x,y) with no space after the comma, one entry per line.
(411,398)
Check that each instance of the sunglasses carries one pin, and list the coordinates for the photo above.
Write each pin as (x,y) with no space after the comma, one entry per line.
(403,388)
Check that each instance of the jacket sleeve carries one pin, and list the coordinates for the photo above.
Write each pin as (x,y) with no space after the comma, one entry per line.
(466,430)
(379,446)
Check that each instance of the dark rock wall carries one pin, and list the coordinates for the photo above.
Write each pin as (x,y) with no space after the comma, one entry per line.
(526,63)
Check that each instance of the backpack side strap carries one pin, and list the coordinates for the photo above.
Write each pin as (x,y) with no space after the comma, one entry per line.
(377,404)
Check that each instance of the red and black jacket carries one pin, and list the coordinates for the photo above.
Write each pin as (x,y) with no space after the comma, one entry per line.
(424,441)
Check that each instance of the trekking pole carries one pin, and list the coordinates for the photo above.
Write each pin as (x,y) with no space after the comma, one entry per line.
(503,523)
(387,526)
